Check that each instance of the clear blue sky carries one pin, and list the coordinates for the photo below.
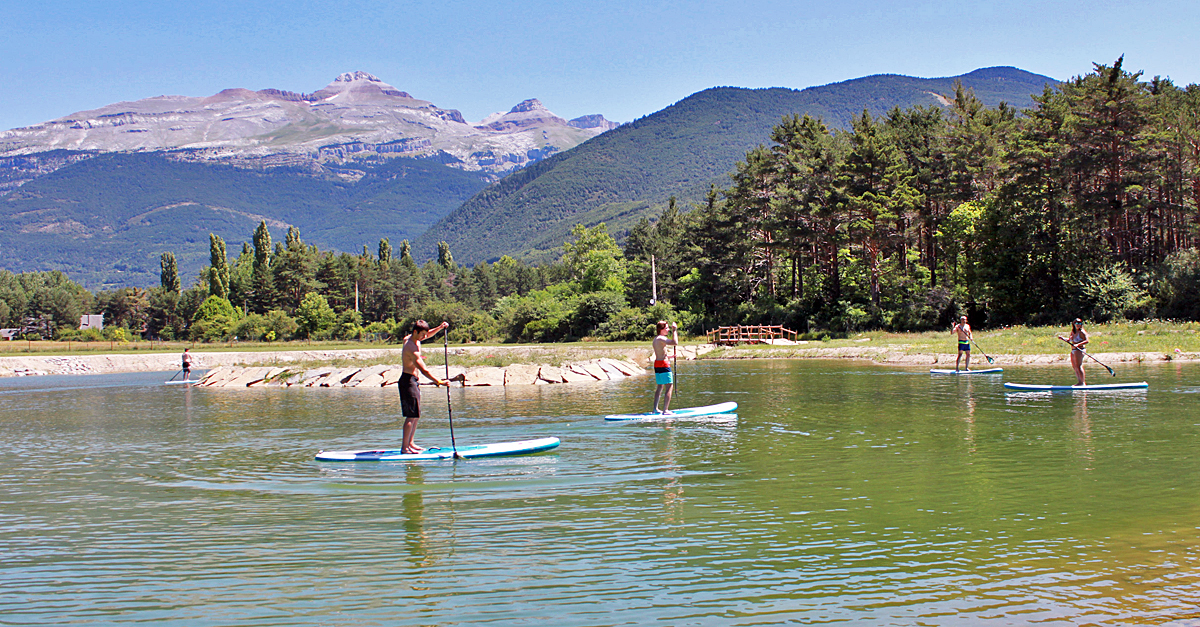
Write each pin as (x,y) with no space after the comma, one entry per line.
(621,59)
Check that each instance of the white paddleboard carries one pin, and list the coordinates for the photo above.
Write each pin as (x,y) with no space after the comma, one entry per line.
(524,447)
(189,382)
(707,410)
(987,371)
(1073,388)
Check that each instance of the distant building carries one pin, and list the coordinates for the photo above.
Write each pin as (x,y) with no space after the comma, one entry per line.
(91,321)
(9,334)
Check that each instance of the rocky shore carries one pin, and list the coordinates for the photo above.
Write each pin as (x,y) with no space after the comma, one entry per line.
(602,369)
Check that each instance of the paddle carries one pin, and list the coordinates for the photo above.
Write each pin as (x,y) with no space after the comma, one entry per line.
(990,360)
(175,375)
(449,409)
(1084,351)
(675,367)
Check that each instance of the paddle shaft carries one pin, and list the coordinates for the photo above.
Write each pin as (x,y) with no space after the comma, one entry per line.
(1084,351)
(985,355)
(449,409)
(675,366)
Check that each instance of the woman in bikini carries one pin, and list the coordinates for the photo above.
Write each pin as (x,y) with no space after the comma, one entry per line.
(1078,340)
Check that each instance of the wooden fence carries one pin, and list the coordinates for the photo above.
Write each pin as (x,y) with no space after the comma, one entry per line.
(750,334)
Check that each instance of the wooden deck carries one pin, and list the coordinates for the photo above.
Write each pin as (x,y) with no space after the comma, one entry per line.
(750,334)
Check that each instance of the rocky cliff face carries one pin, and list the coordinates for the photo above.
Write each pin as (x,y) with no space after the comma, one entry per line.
(356,116)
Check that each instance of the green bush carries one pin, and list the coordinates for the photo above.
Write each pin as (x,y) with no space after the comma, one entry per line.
(1111,293)
(466,324)
(314,317)
(593,310)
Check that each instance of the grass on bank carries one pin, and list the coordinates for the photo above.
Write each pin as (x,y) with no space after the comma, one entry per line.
(1152,336)
(1155,336)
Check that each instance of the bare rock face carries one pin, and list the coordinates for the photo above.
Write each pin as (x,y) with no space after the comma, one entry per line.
(355,116)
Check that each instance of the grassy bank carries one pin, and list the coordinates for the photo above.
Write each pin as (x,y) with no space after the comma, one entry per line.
(1124,337)
(1128,337)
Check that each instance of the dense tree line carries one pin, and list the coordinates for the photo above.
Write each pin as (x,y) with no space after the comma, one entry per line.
(1084,205)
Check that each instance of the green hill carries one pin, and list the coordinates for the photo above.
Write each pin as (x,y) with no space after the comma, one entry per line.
(619,176)
(106,220)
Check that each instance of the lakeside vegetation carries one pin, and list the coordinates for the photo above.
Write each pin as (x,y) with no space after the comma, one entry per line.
(1084,205)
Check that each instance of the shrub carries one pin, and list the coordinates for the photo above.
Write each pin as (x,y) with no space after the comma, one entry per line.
(314,316)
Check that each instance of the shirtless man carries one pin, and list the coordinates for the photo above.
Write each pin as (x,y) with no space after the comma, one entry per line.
(187,364)
(964,342)
(410,394)
(662,368)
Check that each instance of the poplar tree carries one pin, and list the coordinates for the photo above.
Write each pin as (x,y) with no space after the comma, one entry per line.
(218,276)
(169,278)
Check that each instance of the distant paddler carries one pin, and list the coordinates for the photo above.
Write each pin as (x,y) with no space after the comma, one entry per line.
(963,331)
(663,377)
(410,395)
(187,364)
(1078,341)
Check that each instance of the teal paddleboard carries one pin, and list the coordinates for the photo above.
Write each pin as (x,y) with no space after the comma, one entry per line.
(1076,388)
(986,371)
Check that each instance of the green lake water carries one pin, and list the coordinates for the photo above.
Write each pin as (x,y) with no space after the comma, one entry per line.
(840,493)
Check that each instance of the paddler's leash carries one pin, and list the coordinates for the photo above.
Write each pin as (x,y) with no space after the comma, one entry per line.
(990,360)
(449,409)
(1084,351)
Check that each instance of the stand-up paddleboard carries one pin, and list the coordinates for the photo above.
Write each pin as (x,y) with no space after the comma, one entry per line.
(986,371)
(525,447)
(1073,388)
(687,412)
(188,382)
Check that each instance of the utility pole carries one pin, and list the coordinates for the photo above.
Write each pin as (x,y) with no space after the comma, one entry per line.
(653,282)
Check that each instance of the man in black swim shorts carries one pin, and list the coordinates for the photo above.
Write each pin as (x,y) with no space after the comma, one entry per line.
(410,393)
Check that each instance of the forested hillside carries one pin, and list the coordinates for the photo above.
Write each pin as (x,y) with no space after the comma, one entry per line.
(106,220)
(680,151)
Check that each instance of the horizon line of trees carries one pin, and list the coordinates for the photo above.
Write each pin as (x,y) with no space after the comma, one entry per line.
(1084,205)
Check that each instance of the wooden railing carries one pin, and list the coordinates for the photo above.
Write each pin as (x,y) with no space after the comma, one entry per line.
(750,334)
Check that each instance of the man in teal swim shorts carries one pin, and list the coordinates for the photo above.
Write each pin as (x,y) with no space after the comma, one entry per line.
(662,368)
(963,330)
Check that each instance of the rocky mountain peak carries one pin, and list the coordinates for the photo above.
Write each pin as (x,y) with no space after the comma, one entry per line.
(526,106)
(350,77)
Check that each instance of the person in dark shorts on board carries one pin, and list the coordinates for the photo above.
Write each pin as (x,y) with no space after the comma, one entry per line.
(187,364)
(410,394)
(963,330)
(662,368)
(1078,341)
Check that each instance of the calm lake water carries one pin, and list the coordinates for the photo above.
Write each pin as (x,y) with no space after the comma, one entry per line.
(841,493)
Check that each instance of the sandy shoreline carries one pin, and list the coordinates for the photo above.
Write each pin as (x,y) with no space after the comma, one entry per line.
(169,362)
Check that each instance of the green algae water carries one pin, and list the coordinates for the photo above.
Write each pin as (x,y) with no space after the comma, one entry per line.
(840,493)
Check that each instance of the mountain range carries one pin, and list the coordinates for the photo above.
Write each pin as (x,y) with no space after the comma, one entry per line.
(355,117)
(679,151)
(100,194)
